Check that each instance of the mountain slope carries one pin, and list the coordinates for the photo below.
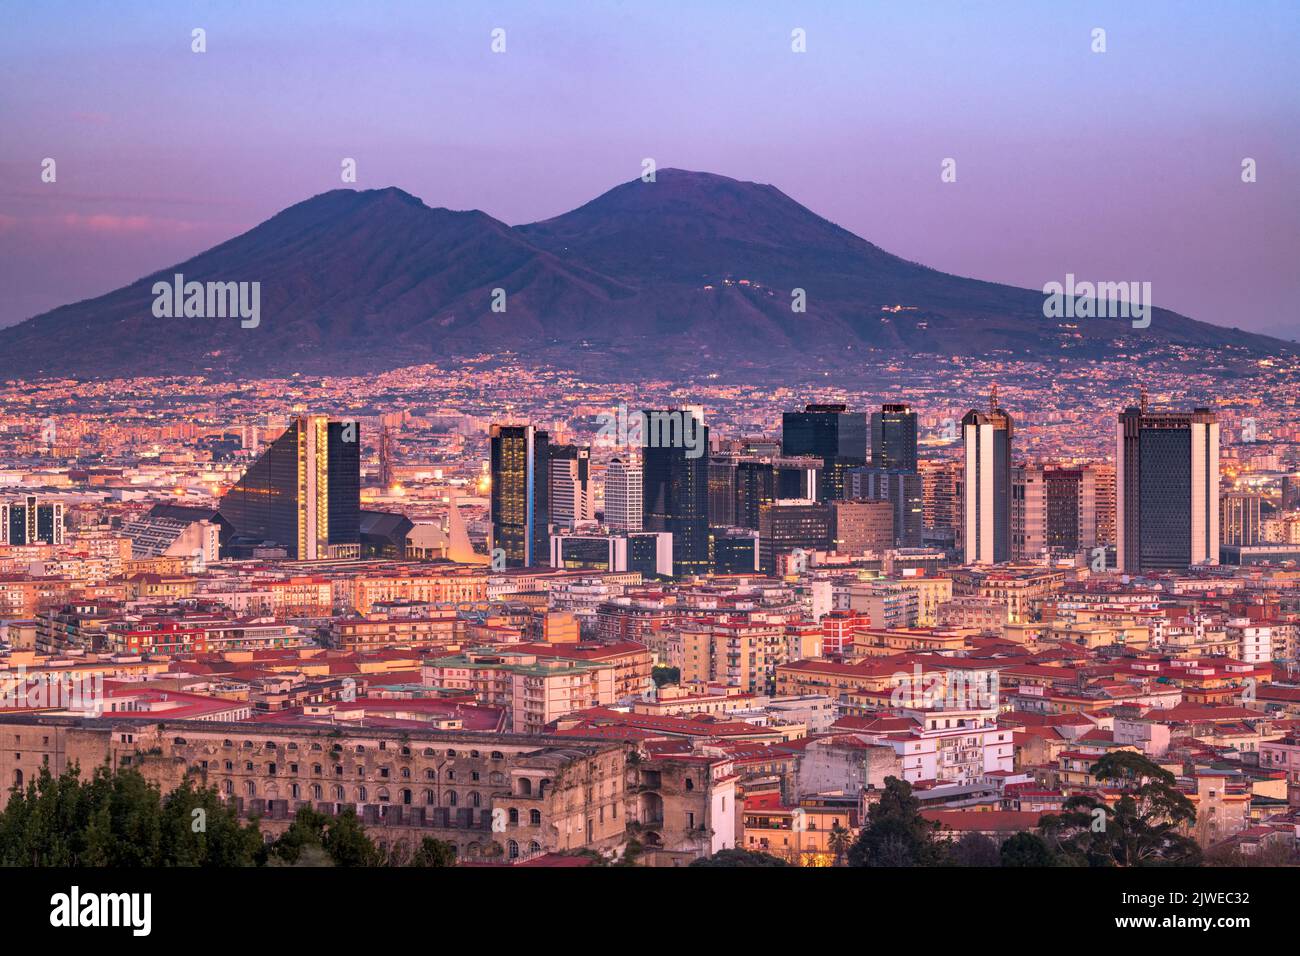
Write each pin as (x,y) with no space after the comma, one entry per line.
(693,268)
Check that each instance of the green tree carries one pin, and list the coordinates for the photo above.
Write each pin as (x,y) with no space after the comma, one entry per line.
(739,857)
(839,842)
(1146,826)
(199,829)
(1026,849)
(973,849)
(895,833)
(434,853)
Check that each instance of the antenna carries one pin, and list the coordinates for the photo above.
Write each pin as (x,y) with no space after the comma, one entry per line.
(993,399)
(1142,400)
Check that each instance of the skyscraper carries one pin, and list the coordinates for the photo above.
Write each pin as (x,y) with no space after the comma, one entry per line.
(904,490)
(570,486)
(1239,520)
(831,433)
(28,520)
(623,495)
(303,493)
(893,438)
(986,485)
(675,494)
(520,496)
(1167,489)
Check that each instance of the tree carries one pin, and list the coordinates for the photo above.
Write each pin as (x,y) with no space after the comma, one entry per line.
(1026,849)
(896,834)
(739,857)
(434,853)
(973,849)
(1144,827)
(839,842)
(200,829)
(665,675)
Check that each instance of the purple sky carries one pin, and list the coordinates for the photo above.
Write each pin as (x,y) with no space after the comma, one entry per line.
(1116,166)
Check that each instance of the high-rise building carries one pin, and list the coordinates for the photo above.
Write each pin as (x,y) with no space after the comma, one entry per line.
(675,491)
(649,552)
(570,486)
(829,432)
(623,495)
(904,490)
(941,493)
(1167,489)
(302,494)
(1239,519)
(860,526)
(893,438)
(789,525)
(1055,510)
(986,485)
(28,520)
(520,496)
(760,481)
(722,492)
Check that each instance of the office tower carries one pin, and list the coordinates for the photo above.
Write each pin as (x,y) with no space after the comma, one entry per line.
(735,550)
(570,486)
(789,525)
(862,526)
(1239,519)
(1054,510)
(675,489)
(1290,492)
(1028,513)
(829,432)
(520,497)
(623,495)
(303,494)
(986,483)
(28,520)
(761,481)
(1167,489)
(905,490)
(893,438)
(722,492)
(649,552)
(1104,493)
(941,493)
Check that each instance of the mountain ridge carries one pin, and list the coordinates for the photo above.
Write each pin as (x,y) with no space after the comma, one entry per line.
(691,267)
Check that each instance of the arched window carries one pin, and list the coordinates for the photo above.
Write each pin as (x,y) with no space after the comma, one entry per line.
(316,792)
(250,788)
(451,798)
(382,796)
(512,849)
(535,818)
(475,800)
(317,769)
(534,847)
(338,794)
(497,755)
(514,817)
(406,773)
(431,775)
(361,795)
(229,786)
(406,798)
(690,784)
(428,797)
(525,786)
(18,778)
(429,752)
(294,791)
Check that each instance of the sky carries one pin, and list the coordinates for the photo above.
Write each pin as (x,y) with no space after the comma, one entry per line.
(1117,166)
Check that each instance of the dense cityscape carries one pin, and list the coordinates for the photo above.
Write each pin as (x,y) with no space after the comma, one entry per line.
(531,619)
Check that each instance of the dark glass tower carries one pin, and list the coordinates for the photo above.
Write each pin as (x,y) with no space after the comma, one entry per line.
(303,493)
(520,460)
(1167,489)
(905,490)
(675,498)
(893,438)
(831,433)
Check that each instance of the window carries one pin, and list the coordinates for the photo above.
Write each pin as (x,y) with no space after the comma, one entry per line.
(513,817)
(512,849)
(535,817)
